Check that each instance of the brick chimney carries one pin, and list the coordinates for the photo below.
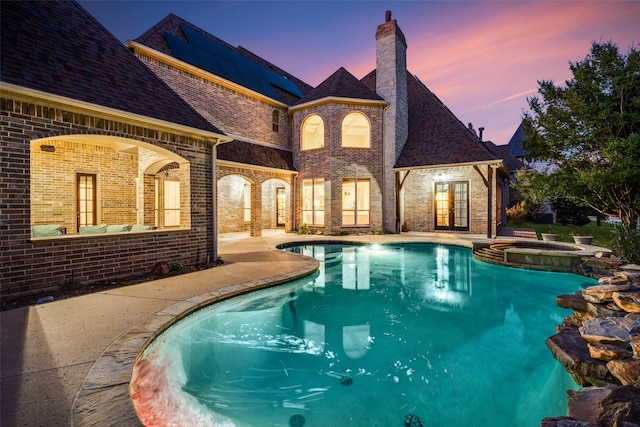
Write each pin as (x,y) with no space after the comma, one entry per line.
(391,84)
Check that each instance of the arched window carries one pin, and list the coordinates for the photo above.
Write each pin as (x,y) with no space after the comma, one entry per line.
(356,131)
(312,134)
(275,121)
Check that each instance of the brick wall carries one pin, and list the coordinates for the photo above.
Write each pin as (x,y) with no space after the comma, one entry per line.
(233,112)
(28,265)
(334,163)
(419,204)
(53,183)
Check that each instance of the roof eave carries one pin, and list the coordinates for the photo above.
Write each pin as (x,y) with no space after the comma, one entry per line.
(338,100)
(497,162)
(8,89)
(229,163)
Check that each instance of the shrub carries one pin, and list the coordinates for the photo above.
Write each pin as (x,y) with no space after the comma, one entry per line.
(517,213)
(626,244)
(570,213)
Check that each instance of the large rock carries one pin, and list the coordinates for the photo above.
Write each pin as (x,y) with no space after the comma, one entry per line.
(562,422)
(570,349)
(603,310)
(575,301)
(634,340)
(621,407)
(603,293)
(584,404)
(607,352)
(626,371)
(628,301)
(607,330)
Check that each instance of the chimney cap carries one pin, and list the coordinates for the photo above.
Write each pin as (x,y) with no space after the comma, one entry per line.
(387,16)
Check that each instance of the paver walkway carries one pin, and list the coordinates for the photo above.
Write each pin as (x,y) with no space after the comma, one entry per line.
(53,352)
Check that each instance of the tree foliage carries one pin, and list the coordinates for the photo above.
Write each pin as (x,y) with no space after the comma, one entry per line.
(588,130)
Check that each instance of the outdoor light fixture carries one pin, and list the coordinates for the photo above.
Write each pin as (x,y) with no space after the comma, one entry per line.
(48,148)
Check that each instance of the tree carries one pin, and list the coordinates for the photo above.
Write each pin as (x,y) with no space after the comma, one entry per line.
(589,132)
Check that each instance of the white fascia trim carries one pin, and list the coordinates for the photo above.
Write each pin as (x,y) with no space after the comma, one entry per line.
(202,73)
(253,141)
(254,167)
(495,163)
(338,100)
(8,88)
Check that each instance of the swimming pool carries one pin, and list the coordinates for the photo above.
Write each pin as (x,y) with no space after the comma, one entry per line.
(392,335)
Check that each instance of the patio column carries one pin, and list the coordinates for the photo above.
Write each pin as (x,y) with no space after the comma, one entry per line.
(256,209)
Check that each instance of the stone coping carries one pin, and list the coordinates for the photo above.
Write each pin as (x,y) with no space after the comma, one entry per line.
(103,398)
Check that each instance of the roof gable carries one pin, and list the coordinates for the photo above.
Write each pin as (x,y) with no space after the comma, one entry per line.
(58,48)
(436,136)
(516,142)
(341,84)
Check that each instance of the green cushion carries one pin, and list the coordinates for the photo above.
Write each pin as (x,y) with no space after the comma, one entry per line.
(93,229)
(138,227)
(121,228)
(49,230)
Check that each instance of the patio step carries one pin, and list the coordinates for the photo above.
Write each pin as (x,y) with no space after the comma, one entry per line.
(489,254)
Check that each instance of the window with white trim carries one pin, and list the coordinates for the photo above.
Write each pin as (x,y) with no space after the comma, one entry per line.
(356,201)
(171,203)
(312,133)
(356,131)
(313,201)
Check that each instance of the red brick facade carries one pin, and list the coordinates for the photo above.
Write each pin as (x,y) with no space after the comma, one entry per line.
(32,265)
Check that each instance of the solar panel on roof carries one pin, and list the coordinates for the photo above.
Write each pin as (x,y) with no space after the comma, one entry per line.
(225,62)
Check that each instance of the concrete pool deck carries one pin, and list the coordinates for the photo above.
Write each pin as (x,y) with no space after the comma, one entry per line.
(69,362)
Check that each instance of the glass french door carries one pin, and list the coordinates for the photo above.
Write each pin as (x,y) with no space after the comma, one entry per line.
(452,205)
(86,200)
(281,206)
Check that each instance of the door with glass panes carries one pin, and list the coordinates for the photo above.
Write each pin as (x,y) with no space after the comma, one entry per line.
(452,205)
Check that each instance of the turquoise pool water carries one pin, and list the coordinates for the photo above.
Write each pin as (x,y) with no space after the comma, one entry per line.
(379,336)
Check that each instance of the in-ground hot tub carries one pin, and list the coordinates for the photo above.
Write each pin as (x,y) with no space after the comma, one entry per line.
(536,254)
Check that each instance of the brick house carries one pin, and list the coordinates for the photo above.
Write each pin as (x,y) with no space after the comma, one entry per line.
(380,154)
(104,171)
(114,158)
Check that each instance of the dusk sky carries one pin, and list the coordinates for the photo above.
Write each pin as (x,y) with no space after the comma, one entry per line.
(481,58)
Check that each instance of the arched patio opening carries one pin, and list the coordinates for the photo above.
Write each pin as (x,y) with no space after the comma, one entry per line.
(234,204)
(92,184)
(276,204)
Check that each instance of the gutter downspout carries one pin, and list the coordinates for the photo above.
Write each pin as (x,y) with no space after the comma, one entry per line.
(489,200)
(214,204)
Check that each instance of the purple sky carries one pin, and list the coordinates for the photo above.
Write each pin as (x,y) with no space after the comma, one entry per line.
(481,58)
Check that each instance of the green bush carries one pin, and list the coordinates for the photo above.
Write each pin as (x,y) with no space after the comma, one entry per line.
(626,244)
(568,213)
(517,213)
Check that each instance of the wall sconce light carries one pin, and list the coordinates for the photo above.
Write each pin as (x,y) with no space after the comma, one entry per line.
(48,148)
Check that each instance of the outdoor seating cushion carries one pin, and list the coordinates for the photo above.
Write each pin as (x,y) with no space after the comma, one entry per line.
(121,228)
(139,227)
(93,229)
(48,230)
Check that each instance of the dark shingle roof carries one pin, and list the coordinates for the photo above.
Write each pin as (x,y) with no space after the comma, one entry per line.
(341,84)
(58,48)
(255,154)
(186,42)
(516,141)
(502,152)
(436,136)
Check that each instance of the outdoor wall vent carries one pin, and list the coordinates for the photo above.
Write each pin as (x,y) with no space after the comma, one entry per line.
(48,148)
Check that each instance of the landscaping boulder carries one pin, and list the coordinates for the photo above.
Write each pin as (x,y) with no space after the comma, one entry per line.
(607,330)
